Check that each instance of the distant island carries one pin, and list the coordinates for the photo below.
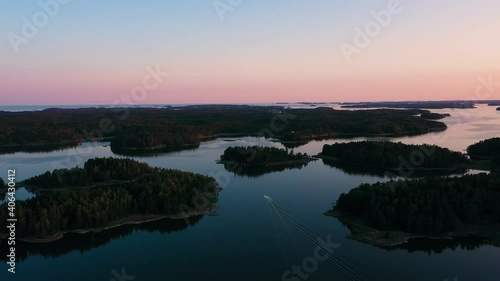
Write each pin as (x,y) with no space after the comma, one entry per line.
(149,130)
(388,214)
(259,160)
(498,108)
(106,193)
(416,104)
(392,156)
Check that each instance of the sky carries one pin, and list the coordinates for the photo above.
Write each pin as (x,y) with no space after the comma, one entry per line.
(247,51)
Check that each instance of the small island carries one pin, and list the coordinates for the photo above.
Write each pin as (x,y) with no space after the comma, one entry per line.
(488,152)
(259,160)
(434,116)
(498,108)
(107,193)
(391,213)
(390,156)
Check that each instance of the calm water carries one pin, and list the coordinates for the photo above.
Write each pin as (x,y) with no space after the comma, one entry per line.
(247,242)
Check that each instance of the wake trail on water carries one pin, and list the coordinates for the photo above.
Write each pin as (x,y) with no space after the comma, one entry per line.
(334,260)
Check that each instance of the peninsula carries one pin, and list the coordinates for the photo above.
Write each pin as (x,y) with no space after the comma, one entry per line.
(133,130)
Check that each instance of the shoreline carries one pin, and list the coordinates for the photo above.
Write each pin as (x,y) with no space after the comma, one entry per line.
(451,169)
(270,164)
(392,238)
(166,148)
(131,220)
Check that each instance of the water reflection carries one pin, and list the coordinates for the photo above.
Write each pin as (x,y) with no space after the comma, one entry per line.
(21,194)
(438,246)
(359,170)
(36,148)
(153,152)
(255,171)
(85,242)
(243,230)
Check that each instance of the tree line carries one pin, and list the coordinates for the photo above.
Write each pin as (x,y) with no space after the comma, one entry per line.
(94,171)
(145,128)
(388,154)
(426,205)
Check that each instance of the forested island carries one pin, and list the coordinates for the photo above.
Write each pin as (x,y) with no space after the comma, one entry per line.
(104,193)
(387,214)
(386,155)
(133,130)
(434,116)
(488,150)
(259,160)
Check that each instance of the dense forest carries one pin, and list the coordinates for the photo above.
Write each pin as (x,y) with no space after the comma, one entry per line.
(149,128)
(426,205)
(255,161)
(487,149)
(407,172)
(2,183)
(155,192)
(385,154)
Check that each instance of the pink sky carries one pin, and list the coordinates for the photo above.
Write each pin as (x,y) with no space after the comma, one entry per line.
(430,51)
